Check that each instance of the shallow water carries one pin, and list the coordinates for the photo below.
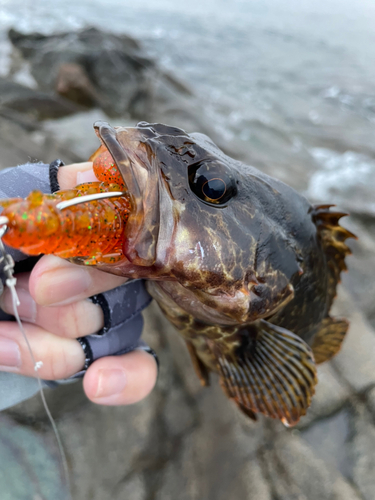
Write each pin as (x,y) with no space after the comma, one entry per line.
(283,77)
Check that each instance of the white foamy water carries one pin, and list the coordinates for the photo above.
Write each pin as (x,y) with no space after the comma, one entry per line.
(346,179)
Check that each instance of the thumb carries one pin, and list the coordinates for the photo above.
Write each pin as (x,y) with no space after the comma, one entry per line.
(121,380)
(77,173)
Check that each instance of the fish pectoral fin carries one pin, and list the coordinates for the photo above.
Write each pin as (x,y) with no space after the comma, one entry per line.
(328,340)
(267,369)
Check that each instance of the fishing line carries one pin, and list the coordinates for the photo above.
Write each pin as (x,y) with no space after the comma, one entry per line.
(7,263)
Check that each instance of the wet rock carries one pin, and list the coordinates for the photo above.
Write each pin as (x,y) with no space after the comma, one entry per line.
(133,489)
(179,415)
(34,103)
(101,467)
(360,279)
(296,473)
(371,400)
(355,361)
(363,447)
(215,468)
(84,141)
(331,394)
(344,490)
(245,482)
(114,73)
(31,43)
(29,466)
(73,83)
(100,67)
(22,141)
(255,482)
(328,438)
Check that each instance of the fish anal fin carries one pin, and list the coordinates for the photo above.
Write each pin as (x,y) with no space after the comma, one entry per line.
(200,368)
(267,369)
(327,342)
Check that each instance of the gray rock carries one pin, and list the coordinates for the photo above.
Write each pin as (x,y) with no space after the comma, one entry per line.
(132,489)
(73,83)
(213,461)
(363,447)
(331,395)
(84,142)
(344,490)
(256,486)
(22,141)
(329,440)
(32,43)
(355,361)
(29,466)
(115,74)
(296,473)
(34,103)
(122,78)
(245,482)
(360,279)
(371,400)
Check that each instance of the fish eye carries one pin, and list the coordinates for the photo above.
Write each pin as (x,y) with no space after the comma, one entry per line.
(211,182)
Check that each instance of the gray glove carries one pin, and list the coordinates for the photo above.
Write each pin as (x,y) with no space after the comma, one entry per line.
(121,306)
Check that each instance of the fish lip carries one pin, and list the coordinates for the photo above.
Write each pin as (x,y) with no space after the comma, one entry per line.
(142,227)
(108,136)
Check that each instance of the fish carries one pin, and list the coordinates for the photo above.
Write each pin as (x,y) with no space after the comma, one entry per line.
(241,264)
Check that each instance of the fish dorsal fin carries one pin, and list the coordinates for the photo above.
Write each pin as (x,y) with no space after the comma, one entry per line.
(333,237)
(327,342)
(267,369)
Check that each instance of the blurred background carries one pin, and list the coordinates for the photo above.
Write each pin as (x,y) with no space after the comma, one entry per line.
(286,86)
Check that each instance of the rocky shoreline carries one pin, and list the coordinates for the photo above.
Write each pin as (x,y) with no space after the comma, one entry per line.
(184,442)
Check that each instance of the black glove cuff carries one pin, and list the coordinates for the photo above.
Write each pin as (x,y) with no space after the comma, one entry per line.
(53,171)
(123,323)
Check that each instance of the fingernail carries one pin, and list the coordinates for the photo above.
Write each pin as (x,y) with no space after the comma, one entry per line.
(66,286)
(27,307)
(10,354)
(110,382)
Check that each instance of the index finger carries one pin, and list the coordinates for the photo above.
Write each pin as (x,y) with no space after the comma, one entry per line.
(55,281)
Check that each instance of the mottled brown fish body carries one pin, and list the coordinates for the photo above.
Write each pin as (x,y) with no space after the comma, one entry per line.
(241,264)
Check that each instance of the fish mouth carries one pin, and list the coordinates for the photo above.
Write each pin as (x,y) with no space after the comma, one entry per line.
(140,176)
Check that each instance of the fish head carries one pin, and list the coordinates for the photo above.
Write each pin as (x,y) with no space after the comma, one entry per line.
(210,231)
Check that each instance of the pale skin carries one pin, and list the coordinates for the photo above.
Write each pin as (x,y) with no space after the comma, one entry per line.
(55,311)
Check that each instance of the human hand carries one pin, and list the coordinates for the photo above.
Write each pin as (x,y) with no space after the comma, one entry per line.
(56,311)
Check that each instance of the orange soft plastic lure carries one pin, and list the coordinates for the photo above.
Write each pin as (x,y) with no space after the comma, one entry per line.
(93,230)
